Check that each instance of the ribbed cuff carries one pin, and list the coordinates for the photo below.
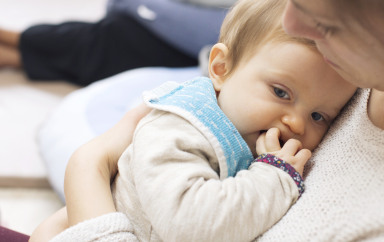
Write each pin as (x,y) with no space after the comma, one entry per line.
(277,162)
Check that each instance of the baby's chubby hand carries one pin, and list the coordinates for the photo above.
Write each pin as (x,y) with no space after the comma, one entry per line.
(291,152)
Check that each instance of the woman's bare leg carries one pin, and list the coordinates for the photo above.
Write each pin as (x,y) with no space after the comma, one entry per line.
(9,56)
(10,38)
(9,49)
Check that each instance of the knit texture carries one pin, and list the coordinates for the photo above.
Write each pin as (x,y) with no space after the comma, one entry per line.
(344,195)
(96,230)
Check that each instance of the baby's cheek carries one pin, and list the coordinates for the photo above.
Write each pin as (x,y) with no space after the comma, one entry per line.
(313,141)
(251,142)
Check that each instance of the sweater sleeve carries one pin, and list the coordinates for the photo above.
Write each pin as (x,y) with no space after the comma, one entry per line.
(279,163)
(183,196)
(108,227)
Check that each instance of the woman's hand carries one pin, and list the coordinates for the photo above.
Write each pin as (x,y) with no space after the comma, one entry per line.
(291,152)
(93,166)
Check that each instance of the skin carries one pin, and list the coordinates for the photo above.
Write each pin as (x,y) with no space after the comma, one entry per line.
(286,86)
(354,51)
(99,159)
(295,76)
(353,48)
(350,39)
(9,52)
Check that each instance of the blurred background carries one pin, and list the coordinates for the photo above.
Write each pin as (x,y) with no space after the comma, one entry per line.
(26,197)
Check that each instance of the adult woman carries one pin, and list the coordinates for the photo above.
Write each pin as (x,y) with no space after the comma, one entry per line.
(133,34)
(344,196)
(344,187)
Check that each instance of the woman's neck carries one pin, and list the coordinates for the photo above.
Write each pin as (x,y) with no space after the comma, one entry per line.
(376,108)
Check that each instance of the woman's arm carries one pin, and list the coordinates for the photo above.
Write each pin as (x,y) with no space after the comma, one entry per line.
(89,173)
(50,227)
(92,167)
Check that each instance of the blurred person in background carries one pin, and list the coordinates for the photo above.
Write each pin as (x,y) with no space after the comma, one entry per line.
(133,34)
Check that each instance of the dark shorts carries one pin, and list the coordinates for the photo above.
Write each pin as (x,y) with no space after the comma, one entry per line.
(82,52)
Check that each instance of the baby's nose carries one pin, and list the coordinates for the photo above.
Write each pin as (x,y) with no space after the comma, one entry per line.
(295,123)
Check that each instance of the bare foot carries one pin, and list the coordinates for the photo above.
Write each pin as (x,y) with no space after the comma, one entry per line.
(10,38)
(9,56)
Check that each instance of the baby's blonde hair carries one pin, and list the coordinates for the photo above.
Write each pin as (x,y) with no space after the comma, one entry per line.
(250,24)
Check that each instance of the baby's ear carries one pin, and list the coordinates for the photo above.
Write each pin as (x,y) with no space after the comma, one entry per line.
(218,65)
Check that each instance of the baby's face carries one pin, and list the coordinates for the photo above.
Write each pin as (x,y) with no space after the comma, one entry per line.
(286,86)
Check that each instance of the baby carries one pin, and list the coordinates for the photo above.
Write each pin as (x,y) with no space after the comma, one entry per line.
(221,158)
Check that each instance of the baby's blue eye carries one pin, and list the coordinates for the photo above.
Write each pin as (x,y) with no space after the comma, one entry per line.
(317,116)
(281,93)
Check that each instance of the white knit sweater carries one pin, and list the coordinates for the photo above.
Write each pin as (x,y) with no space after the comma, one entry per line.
(344,197)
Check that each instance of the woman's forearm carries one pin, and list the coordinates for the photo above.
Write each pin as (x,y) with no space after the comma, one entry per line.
(86,186)
(92,167)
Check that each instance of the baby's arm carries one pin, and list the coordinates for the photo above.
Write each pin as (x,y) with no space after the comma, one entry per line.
(183,196)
